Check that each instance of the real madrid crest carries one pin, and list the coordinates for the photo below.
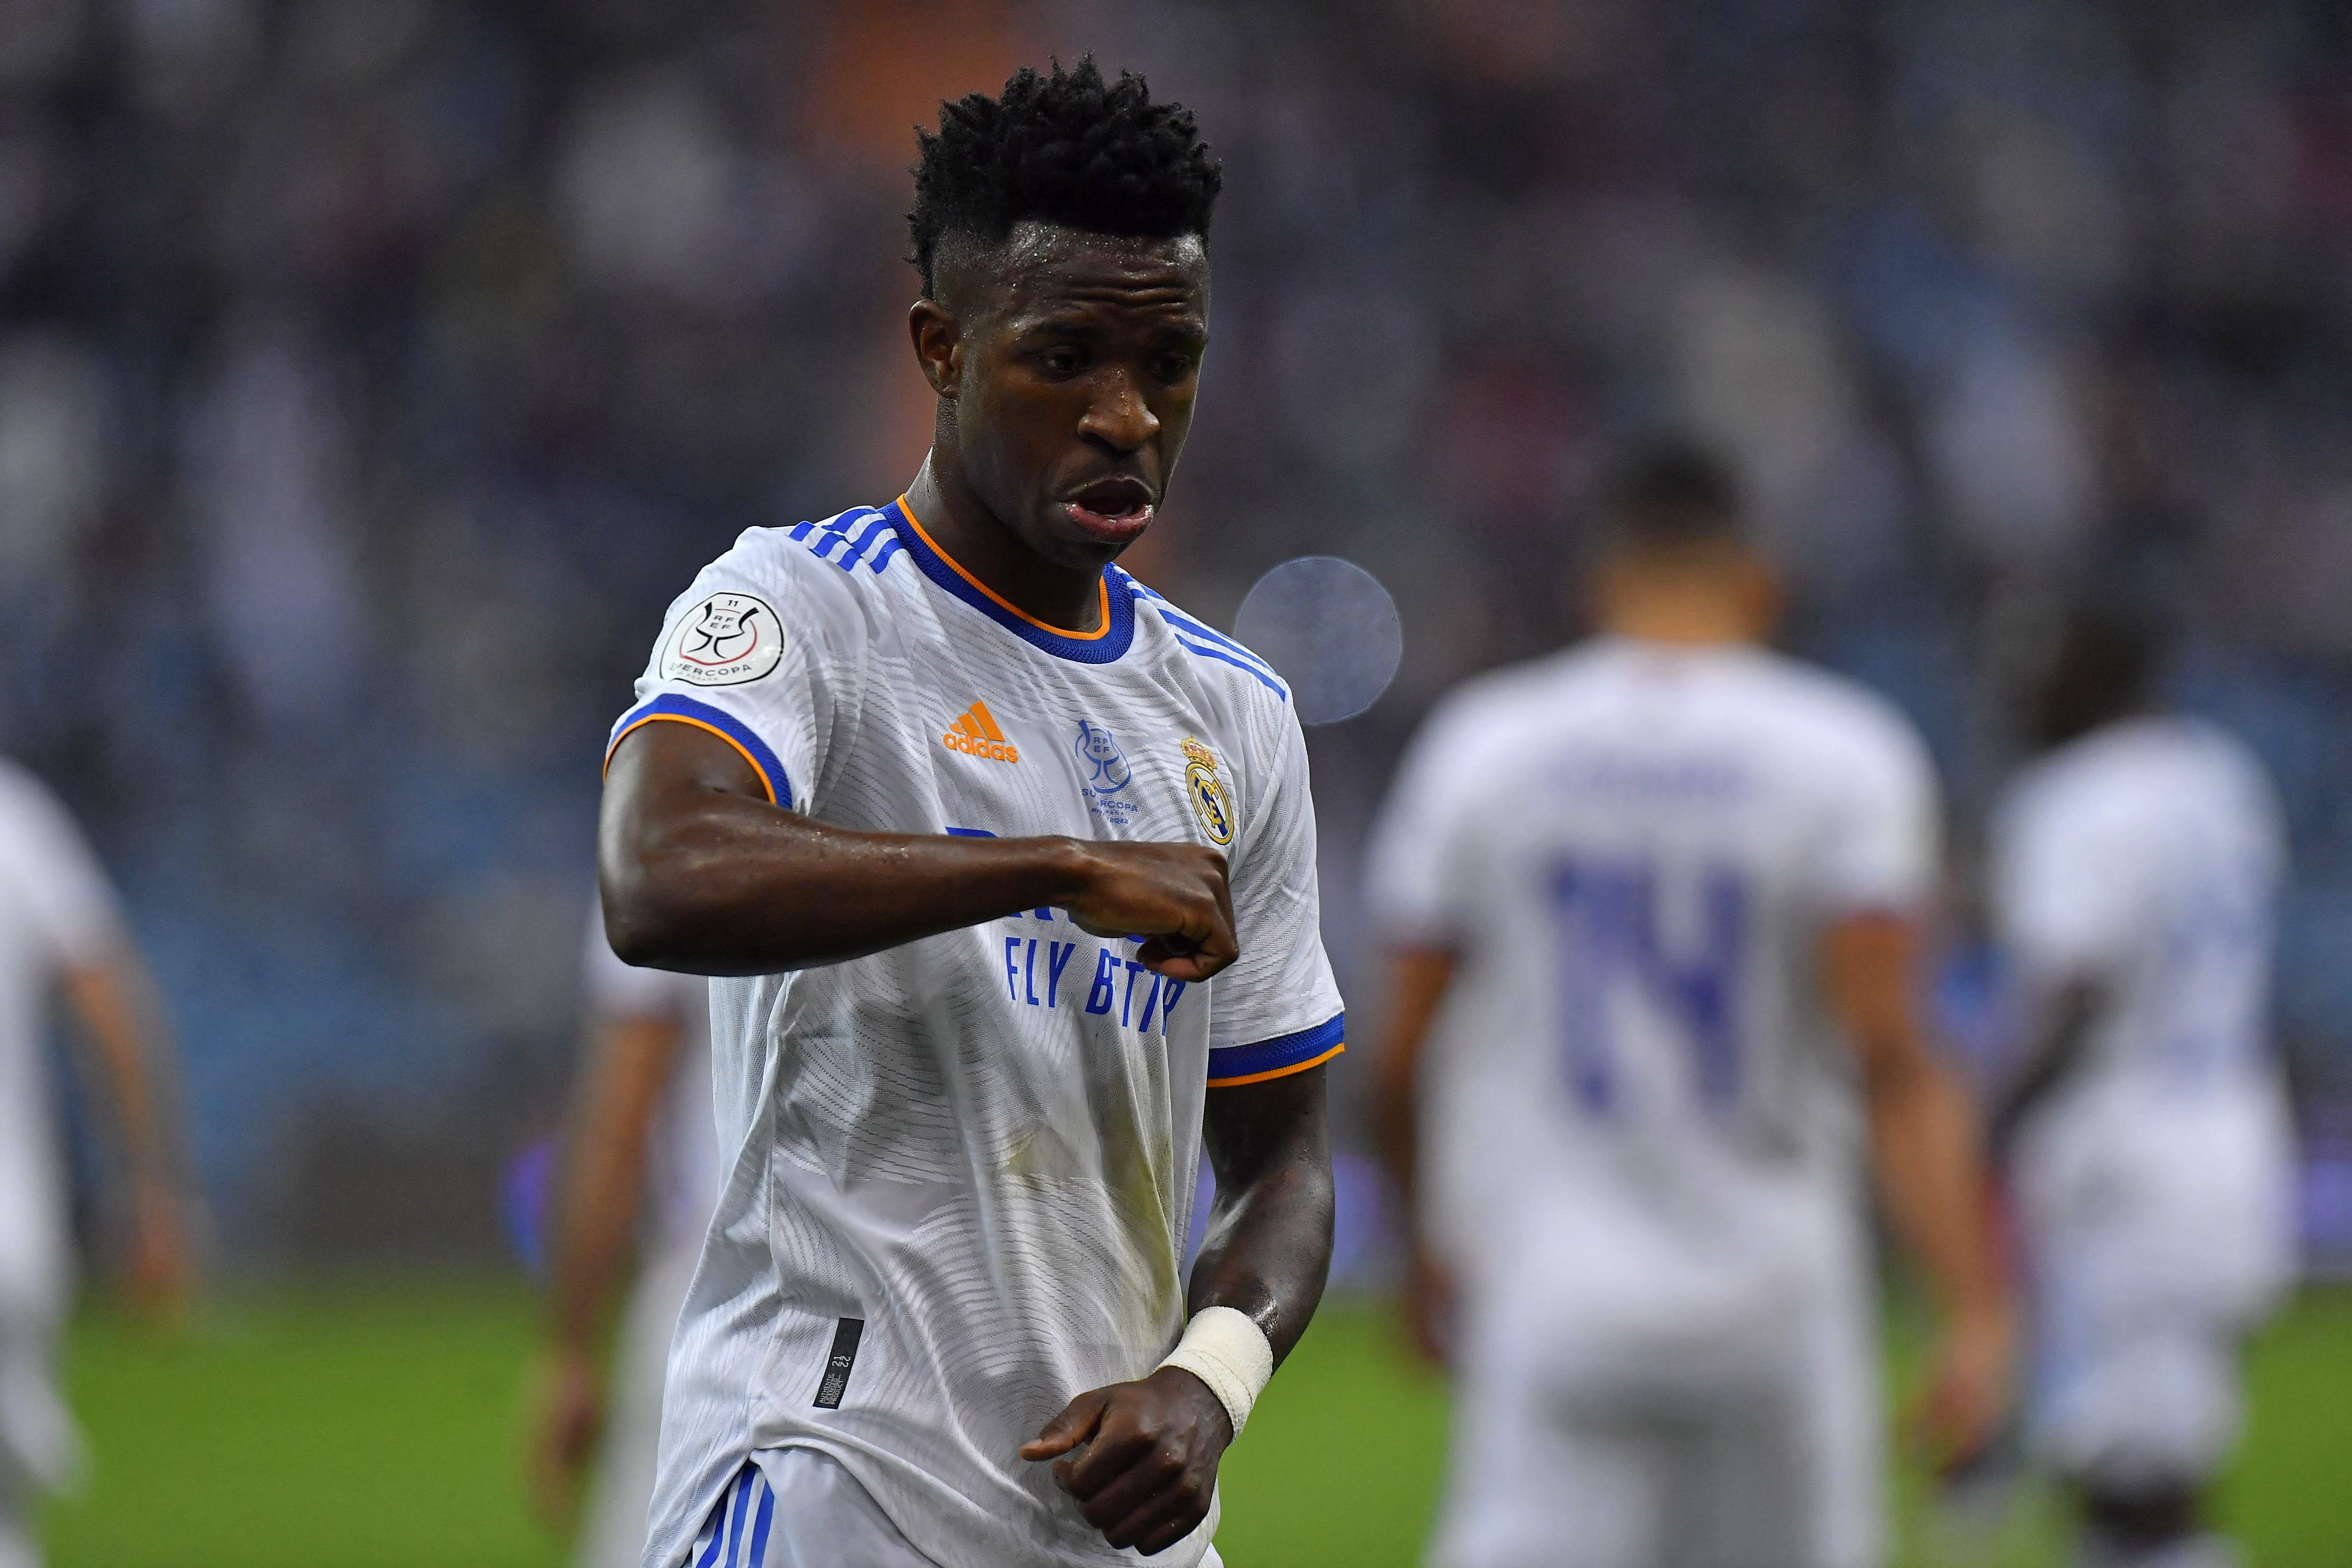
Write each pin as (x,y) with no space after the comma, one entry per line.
(1211,802)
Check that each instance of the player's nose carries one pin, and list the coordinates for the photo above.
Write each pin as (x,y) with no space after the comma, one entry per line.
(1118,415)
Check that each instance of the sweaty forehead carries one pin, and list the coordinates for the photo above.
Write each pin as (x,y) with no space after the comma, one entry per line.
(1042,267)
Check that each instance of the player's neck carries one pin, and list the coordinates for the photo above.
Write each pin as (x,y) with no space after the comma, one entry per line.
(962,528)
(1683,620)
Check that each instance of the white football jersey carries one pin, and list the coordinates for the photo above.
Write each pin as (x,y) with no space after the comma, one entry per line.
(1633,847)
(2147,857)
(684,1158)
(56,912)
(960,1173)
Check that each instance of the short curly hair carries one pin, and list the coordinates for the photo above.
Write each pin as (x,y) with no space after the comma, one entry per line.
(1066,148)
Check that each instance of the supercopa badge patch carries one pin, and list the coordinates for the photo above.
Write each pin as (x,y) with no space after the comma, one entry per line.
(726,641)
(1211,802)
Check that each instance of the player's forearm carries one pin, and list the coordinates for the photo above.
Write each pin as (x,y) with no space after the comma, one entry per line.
(1268,1248)
(1931,1176)
(731,886)
(593,1226)
(125,1032)
(603,1178)
(1418,980)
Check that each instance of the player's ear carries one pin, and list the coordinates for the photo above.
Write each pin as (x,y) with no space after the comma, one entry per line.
(939,345)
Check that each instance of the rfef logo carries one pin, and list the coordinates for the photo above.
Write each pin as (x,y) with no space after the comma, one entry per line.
(1104,763)
(976,735)
(726,641)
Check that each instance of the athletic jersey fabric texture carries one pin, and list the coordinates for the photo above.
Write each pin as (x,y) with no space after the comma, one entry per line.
(1643,1137)
(2147,857)
(1633,847)
(960,1173)
(56,913)
(2156,1181)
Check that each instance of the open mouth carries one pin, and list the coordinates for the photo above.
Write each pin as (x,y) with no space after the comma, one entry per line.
(1113,510)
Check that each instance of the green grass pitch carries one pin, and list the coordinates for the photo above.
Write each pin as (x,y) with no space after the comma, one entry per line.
(378,1428)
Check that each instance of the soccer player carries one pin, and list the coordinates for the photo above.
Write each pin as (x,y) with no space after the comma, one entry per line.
(1011,865)
(641,1113)
(2136,868)
(61,933)
(1656,907)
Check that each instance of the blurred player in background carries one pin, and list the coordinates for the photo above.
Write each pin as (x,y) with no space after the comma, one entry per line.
(1656,905)
(2136,871)
(642,1115)
(914,774)
(61,933)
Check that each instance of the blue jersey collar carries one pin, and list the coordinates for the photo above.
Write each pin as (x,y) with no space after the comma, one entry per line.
(1105,644)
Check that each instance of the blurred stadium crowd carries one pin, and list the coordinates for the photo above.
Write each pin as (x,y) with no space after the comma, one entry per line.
(372,373)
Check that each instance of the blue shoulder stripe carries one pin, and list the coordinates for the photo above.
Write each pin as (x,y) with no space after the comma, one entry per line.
(1220,646)
(858,528)
(1250,669)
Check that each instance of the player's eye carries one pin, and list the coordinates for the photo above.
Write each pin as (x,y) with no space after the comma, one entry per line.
(1061,360)
(1172,368)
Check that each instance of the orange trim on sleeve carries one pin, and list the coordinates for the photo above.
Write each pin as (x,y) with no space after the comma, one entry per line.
(1102,628)
(765,782)
(1278,1072)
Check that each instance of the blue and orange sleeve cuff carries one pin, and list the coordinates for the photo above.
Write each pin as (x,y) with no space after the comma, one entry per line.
(1230,1067)
(676,709)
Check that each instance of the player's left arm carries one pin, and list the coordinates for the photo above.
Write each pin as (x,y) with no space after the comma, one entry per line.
(1872,873)
(599,1190)
(2055,1048)
(1141,1459)
(1930,1169)
(113,1002)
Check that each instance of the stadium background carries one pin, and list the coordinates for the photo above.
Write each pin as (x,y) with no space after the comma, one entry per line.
(373,372)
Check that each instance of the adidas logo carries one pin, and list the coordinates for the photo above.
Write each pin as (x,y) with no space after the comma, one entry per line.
(976,735)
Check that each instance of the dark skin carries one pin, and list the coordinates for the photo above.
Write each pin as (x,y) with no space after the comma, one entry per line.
(1067,365)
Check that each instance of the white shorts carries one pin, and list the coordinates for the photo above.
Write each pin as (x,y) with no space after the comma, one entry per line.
(797,1508)
(613,1535)
(2157,1237)
(2126,1413)
(1588,1438)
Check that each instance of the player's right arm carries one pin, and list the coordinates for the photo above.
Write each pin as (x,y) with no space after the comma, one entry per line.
(701,873)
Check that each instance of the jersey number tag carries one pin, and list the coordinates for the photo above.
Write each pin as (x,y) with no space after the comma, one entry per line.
(1610,939)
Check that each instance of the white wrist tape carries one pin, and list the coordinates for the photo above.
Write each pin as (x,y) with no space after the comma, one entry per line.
(1229,1352)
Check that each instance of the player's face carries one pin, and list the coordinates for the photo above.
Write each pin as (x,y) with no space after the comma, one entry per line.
(1081,356)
